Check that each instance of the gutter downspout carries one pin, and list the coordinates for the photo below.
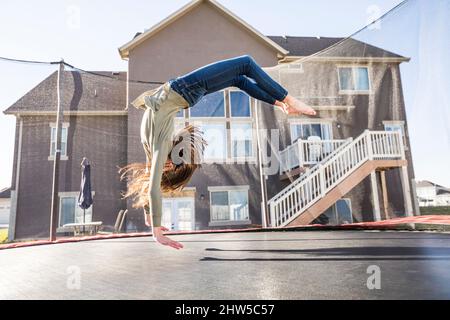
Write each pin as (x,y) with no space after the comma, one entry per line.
(15,192)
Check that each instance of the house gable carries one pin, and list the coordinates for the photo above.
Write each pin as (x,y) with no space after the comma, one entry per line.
(141,37)
(203,36)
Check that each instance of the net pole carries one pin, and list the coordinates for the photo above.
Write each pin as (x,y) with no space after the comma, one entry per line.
(59,116)
(262,177)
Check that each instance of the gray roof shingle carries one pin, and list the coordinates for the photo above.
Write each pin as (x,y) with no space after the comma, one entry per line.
(305,46)
(5,193)
(80,92)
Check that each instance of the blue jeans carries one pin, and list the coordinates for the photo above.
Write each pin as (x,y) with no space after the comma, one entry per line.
(242,72)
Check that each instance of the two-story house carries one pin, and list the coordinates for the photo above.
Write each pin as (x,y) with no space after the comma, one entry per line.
(431,194)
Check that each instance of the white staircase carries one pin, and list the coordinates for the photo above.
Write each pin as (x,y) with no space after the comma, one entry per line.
(370,150)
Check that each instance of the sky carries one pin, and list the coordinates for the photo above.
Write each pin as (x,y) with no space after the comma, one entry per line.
(87,34)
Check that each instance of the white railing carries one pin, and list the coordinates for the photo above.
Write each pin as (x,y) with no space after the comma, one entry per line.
(304,153)
(317,182)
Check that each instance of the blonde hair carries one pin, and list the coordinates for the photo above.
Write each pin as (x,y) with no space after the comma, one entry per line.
(189,145)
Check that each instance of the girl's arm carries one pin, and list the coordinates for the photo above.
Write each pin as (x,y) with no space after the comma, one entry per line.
(156,169)
(159,158)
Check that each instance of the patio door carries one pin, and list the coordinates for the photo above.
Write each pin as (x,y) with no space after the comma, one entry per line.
(178,214)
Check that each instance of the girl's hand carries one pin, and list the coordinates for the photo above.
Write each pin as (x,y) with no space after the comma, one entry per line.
(162,239)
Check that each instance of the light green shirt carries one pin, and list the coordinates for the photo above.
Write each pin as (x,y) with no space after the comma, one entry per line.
(157,129)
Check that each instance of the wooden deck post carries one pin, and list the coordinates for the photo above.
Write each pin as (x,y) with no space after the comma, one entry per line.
(375,197)
(384,194)
(406,192)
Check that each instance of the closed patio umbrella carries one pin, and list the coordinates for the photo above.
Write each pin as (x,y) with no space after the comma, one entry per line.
(85,197)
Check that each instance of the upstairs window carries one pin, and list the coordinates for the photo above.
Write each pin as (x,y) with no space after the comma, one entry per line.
(354,79)
(210,106)
(241,140)
(239,104)
(63,141)
(216,136)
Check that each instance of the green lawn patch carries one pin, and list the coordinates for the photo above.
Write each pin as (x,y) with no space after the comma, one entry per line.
(444,210)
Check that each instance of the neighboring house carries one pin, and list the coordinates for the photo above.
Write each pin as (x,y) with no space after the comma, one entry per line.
(431,194)
(228,190)
(5,205)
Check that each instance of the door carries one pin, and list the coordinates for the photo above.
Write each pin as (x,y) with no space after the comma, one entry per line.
(178,214)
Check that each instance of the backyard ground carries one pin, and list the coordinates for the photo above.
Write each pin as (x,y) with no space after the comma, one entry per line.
(249,265)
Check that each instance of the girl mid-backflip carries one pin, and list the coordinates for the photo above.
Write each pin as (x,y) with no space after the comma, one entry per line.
(172,159)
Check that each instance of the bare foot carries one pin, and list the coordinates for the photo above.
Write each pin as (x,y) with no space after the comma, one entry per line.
(282,106)
(297,106)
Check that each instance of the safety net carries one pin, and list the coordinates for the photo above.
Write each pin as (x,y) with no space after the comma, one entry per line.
(378,147)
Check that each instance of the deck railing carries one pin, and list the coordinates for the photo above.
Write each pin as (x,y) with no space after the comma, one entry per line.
(328,173)
(306,153)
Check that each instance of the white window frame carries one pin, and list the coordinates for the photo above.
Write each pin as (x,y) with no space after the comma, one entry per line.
(401,124)
(353,67)
(211,189)
(52,125)
(70,194)
(324,121)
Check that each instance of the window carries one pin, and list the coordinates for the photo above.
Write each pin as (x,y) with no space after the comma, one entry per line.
(354,79)
(305,130)
(239,104)
(178,213)
(339,213)
(229,205)
(396,126)
(241,140)
(63,141)
(211,105)
(215,115)
(216,136)
(69,211)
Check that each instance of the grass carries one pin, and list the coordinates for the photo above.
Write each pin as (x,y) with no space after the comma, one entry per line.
(435,210)
(3,235)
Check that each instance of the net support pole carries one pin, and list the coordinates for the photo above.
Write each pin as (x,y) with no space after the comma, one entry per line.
(57,157)
(262,177)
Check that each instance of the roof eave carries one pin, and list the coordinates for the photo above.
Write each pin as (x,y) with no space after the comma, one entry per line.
(349,59)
